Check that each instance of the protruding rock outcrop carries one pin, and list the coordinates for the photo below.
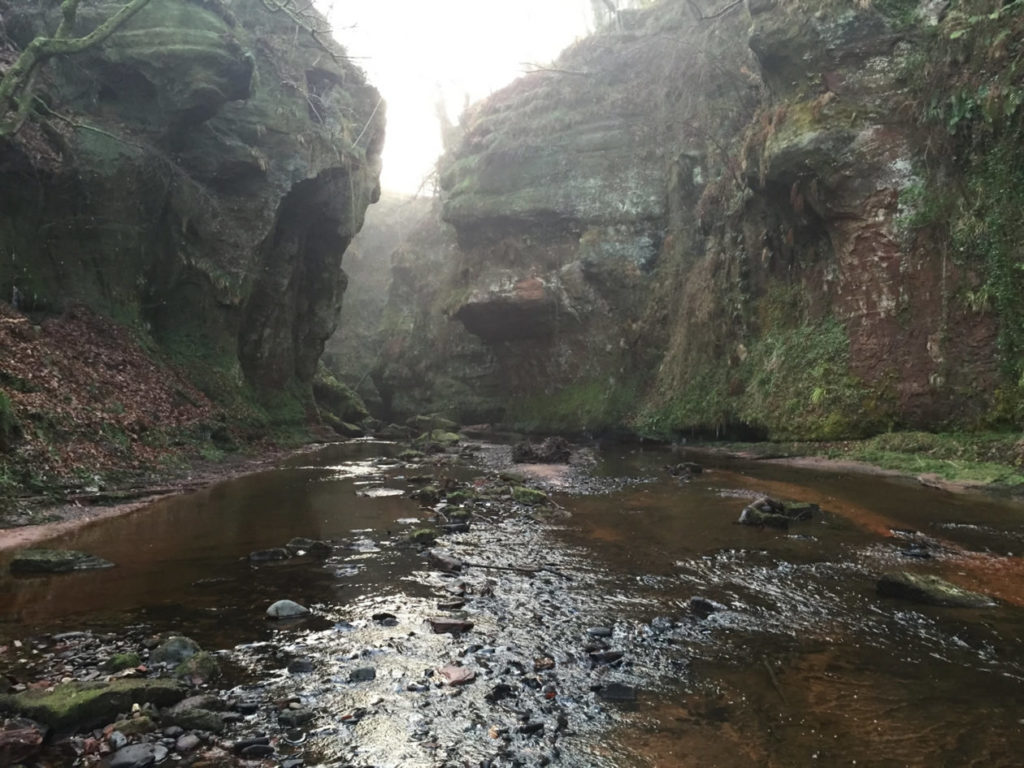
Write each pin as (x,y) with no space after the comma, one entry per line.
(212,164)
(742,222)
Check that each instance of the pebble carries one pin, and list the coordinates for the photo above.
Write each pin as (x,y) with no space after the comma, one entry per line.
(600,632)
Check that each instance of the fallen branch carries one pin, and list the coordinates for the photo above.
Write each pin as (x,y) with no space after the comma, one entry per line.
(775,681)
(539,68)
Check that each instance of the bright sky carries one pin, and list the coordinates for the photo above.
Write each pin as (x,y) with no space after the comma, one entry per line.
(411,48)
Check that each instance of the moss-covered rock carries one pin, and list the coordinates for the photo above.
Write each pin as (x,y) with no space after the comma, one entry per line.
(120,661)
(197,669)
(238,152)
(174,650)
(529,496)
(33,561)
(425,537)
(929,590)
(76,706)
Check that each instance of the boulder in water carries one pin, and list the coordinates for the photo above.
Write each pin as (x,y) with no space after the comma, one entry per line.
(771,513)
(929,590)
(287,609)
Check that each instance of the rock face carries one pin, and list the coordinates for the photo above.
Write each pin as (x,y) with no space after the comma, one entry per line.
(742,223)
(216,164)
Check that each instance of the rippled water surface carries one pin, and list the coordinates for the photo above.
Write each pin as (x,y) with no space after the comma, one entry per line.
(799,662)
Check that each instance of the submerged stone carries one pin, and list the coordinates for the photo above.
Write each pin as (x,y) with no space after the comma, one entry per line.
(929,590)
(29,561)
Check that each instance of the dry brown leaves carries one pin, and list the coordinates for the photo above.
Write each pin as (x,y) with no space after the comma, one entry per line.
(88,396)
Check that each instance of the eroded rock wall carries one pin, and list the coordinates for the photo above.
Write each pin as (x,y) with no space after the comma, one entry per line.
(199,175)
(741,223)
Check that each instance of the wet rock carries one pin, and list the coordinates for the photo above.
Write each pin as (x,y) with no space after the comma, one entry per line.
(174,650)
(29,561)
(442,625)
(453,674)
(269,555)
(195,719)
(701,607)
(605,657)
(301,545)
(137,756)
(529,496)
(250,741)
(20,740)
(552,450)
(294,718)
(599,632)
(286,609)
(684,469)
(770,513)
(450,528)
(247,707)
(201,701)
(116,739)
(256,751)
(428,495)
(75,706)
(385,618)
(451,605)
(531,728)
(198,669)
(929,590)
(444,560)
(616,692)
(362,675)
(300,666)
(499,692)
(187,742)
(424,537)
(661,624)
(135,726)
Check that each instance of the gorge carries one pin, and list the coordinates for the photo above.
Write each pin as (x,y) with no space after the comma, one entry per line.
(750,270)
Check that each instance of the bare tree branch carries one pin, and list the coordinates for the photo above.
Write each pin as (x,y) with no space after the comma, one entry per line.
(18,81)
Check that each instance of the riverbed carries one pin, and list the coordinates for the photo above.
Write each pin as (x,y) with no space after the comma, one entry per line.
(631,622)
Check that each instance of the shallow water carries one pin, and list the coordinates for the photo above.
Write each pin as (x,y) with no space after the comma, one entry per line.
(803,664)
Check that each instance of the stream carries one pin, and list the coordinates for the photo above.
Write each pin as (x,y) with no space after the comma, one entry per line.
(631,623)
